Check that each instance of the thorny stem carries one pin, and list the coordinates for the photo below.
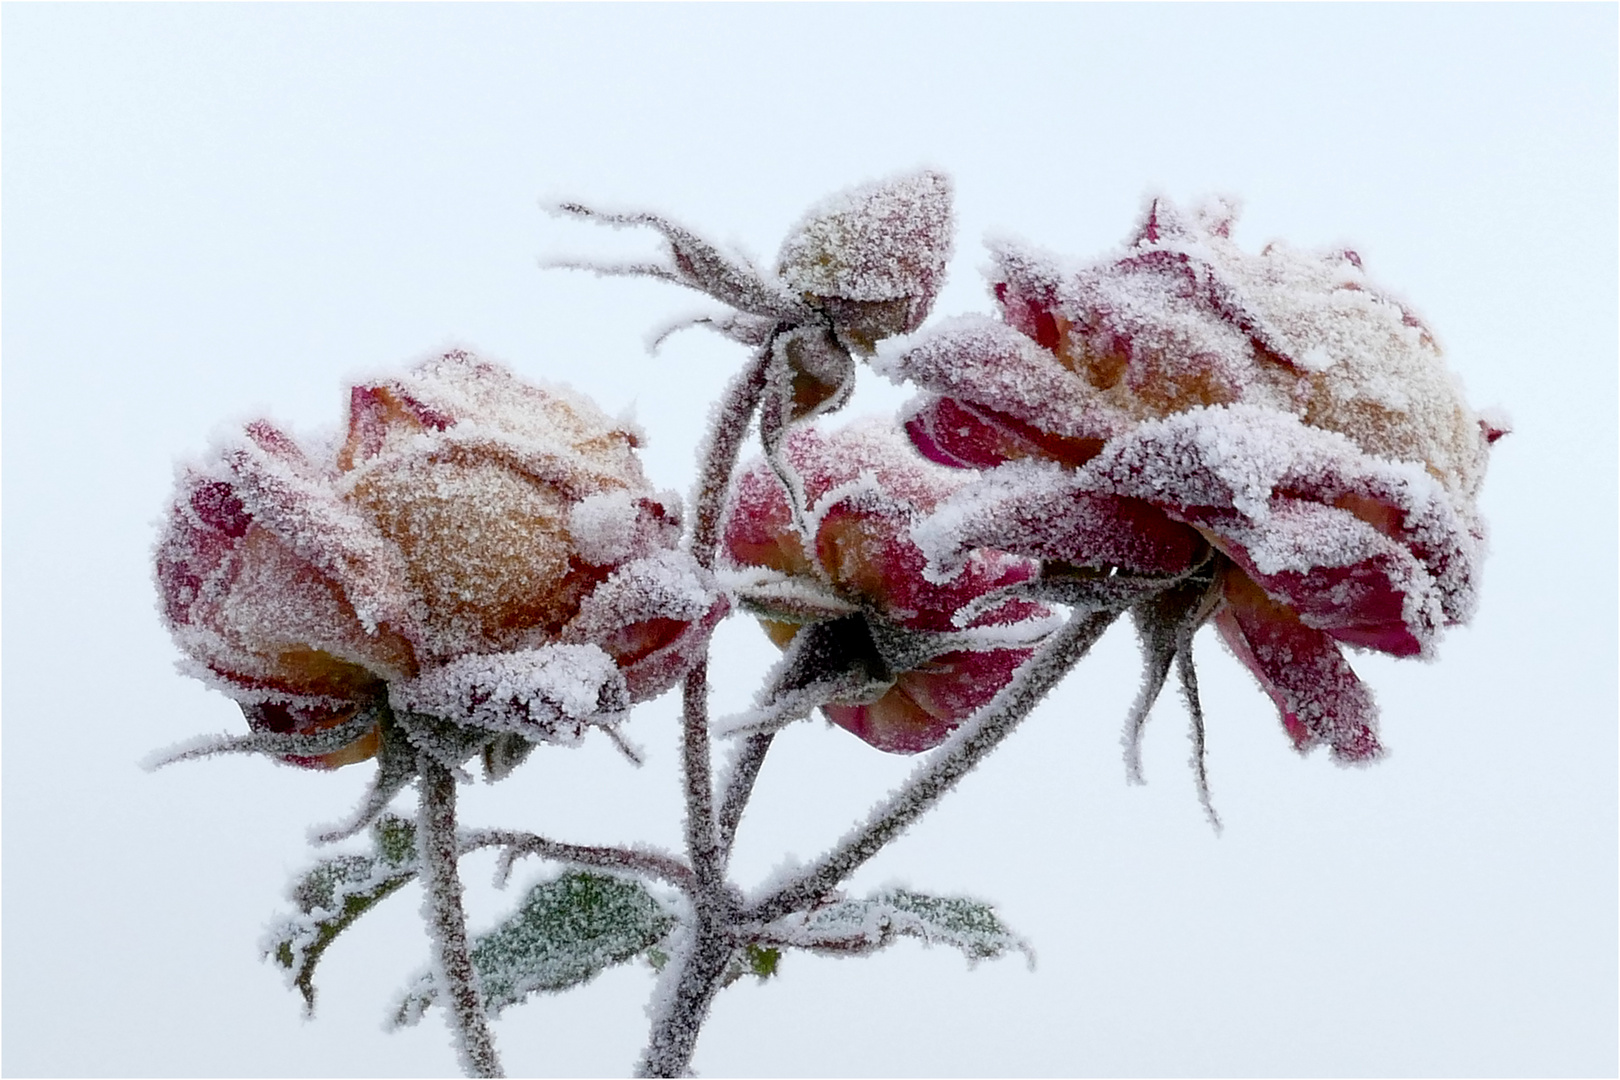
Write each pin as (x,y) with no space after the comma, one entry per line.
(720,454)
(702,841)
(937,776)
(517,844)
(740,785)
(698,968)
(437,850)
(703,963)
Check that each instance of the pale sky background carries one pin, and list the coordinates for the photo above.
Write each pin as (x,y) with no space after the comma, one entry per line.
(216,212)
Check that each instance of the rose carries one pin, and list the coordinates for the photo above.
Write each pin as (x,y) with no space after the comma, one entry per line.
(854,581)
(476,547)
(1183,392)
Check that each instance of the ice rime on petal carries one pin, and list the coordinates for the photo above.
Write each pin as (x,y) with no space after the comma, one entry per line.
(273,584)
(1181,316)
(988,363)
(653,616)
(549,694)
(1318,694)
(1289,502)
(612,527)
(865,490)
(475,477)
(1036,509)
(1378,597)
(285,493)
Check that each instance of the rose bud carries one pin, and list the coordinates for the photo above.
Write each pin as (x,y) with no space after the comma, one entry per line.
(855,578)
(873,257)
(1277,407)
(863,265)
(465,514)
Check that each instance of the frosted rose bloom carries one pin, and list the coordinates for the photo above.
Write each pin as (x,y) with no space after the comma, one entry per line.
(1184,397)
(475,547)
(864,489)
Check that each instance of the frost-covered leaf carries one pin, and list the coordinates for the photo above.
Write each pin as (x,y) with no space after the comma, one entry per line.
(333,894)
(864,926)
(760,961)
(564,933)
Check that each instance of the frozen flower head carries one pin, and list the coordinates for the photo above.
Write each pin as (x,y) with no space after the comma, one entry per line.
(1182,400)
(475,548)
(901,660)
(1182,317)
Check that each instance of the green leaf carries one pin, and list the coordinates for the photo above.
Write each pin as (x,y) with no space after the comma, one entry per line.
(760,961)
(333,894)
(504,754)
(864,926)
(564,933)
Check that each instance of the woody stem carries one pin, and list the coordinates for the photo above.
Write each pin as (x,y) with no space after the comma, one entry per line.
(437,850)
(734,413)
(698,965)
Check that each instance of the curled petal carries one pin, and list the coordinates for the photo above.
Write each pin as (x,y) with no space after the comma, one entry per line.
(615,526)
(924,706)
(265,607)
(1318,696)
(874,555)
(1339,575)
(1248,472)
(292,500)
(959,435)
(1046,512)
(1002,374)
(654,617)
